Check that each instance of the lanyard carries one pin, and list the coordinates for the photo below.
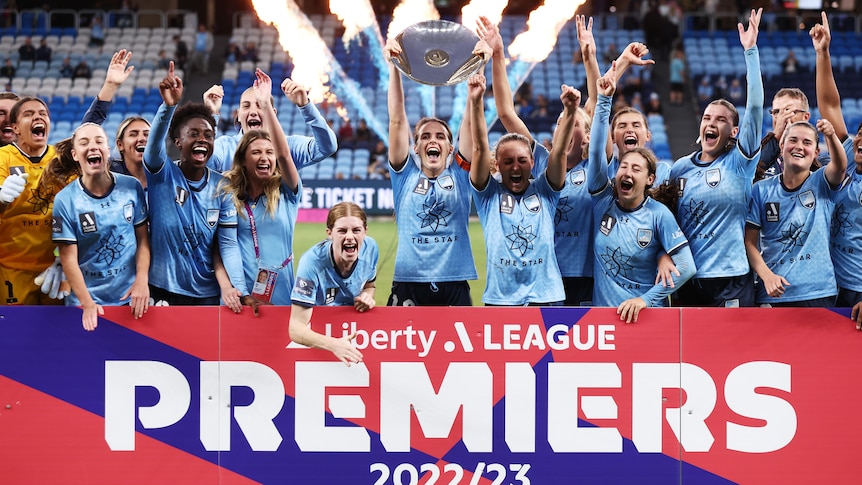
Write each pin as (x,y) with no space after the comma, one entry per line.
(254,238)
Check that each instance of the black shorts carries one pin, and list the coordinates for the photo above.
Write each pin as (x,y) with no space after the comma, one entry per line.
(847,298)
(448,293)
(175,299)
(677,87)
(825,302)
(731,291)
(579,290)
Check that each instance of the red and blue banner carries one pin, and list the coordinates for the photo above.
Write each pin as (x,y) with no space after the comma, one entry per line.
(455,396)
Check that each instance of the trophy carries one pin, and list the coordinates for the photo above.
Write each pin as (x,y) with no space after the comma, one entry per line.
(437,52)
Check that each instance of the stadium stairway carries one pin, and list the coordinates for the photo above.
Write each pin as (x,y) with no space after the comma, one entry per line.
(681,121)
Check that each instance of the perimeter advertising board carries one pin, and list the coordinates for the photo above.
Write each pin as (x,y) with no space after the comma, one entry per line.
(445,396)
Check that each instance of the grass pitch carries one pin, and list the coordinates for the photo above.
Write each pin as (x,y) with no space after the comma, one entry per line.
(385,233)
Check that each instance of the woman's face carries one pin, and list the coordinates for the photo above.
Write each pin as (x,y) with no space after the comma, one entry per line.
(260,160)
(633,177)
(514,162)
(133,141)
(90,149)
(347,235)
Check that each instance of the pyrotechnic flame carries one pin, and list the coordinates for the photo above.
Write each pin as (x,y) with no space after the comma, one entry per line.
(493,9)
(356,15)
(409,12)
(544,24)
(314,64)
(299,38)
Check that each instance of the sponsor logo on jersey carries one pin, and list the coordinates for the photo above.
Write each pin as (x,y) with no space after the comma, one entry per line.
(507,203)
(56,224)
(680,185)
(330,295)
(644,237)
(304,287)
(422,186)
(578,177)
(713,177)
(607,225)
(129,212)
(88,222)
(212,217)
(19,170)
(533,204)
(773,211)
(807,199)
(182,196)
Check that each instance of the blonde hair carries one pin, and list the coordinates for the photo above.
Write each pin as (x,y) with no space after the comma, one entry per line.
(235,181)
(345,209)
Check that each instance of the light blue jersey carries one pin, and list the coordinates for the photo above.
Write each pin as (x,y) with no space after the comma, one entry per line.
(432,217)
(521,263)
(318,283)
(573,223)
(275,242)
(714,196)
(305,150)
(185,218)
(103,228)
(628,243)
(794,235)
(846,245)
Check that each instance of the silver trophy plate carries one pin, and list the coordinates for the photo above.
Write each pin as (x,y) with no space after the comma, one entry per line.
(437,52)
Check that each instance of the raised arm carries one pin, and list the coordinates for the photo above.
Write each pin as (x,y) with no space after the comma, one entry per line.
(556,171)
(597,166)
(399,127)
(116,75)
(465,132)
(263,97)
(591,62)
(171,89)
(837,166)
(502,90)
(752,124)
(323,142)
(480,166)
(828,98)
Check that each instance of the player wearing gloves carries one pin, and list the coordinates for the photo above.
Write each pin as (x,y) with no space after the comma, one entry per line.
(25,206)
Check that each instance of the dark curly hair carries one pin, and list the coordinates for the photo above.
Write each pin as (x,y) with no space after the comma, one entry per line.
(187,112)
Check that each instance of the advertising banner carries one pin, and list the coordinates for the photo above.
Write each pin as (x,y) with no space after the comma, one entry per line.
(444,396)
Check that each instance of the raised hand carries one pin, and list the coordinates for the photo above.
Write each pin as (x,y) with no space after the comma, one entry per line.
(476,87)
(491,35)
(391,49)
(262,88)
(171,87)
(119,69)
(585,34)
(825,126)
(483,50)
(295,92)
(634,54)
(748,37)
(820,34)
(607,84)
(213,98)
(570,97)
(12,187)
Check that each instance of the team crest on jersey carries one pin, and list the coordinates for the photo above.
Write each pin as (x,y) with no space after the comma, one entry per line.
(88,222)
(304,287)
(607,225)
(56,225)
(507,203)
(644,237)
(16,170)
(532,204)
(713,177)
(680,186)
(128,211)
(422,186)
(330,295)
(182,196)
(445,182)
(773,211)
(808,200)
(578,177)
(212,217)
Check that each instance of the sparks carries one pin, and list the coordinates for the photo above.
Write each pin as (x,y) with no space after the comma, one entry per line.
(544,25)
